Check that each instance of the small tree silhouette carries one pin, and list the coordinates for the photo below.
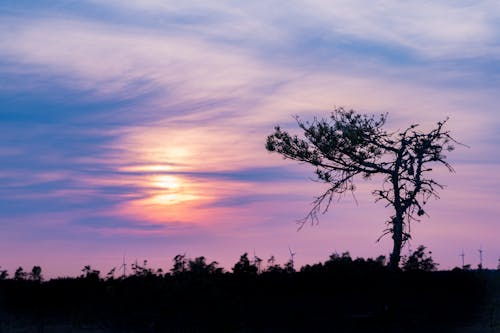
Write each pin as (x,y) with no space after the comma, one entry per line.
(180,264)
(381,260)
(111,274)
(90,274)
(20,274)
(36,274)
(142,270)
(243,266)
(199,266)
(272,266)
(4,274)
(419,261)
(257,262)
(289,267)
(339,262)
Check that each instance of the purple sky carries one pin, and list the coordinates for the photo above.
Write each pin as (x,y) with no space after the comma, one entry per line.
(138,128)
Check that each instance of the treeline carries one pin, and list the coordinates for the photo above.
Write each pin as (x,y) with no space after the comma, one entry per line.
(419,260)
(341,294)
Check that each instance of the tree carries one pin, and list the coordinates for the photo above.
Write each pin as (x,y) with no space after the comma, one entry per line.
(347,145)
(199,266)
(4,274)
(272,266)
(244,266)
(180,263)
(20,274)
(142,270)
(90,273)
(419,260)
(36,274)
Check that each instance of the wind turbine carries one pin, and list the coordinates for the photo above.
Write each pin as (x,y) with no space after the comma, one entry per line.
(463,258)
(123,267)
(292,254)
(480,257)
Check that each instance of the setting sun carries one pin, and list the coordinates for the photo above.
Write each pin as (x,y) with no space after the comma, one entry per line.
(169,190)
(166,182)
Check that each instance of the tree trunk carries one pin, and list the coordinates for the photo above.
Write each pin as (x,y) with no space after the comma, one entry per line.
(397,237)
(397,221)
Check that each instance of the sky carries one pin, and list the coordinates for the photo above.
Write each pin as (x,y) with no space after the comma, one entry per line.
(136,129)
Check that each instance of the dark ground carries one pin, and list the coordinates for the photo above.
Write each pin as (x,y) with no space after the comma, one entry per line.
(331,297)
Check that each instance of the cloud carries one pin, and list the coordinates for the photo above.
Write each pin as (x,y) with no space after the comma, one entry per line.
(110,60)
(117,223)
(445,29)
(456,29)
(202,106)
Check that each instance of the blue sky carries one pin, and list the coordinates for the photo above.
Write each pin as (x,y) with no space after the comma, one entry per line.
(139,127)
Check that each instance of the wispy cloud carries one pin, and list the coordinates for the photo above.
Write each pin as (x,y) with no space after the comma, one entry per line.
(451,29)
(443,30)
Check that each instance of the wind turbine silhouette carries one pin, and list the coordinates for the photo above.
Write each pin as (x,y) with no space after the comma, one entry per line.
(480,257)
(292,255)
(123,267)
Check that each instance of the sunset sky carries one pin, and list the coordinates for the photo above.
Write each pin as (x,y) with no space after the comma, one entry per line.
(137,128)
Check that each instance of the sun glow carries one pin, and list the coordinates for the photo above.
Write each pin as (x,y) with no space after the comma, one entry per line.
(146,168)
(168,198)
(166,182)
(168,190)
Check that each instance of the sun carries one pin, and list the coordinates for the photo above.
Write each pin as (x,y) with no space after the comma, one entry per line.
(166,182)
(169,190)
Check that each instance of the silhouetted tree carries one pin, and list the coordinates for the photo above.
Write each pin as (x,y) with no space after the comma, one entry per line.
(419,260)
(180,264)
(142,270)
(243,266)
(257,262)
(199,266)
(20,274)
(289,266)
(4,274)
(348,144)
(381,260)
(111,274)
(337,261)
(90,273)
(272,266)
(36,274)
